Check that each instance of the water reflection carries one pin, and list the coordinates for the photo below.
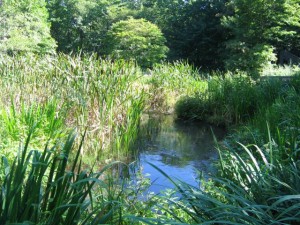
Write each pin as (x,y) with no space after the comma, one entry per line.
(177,148)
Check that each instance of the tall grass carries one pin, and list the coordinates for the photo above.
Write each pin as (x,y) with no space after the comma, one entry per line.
(105,97)
(230,99)
(43,187)
(169,81)
(101,96)
(286,70)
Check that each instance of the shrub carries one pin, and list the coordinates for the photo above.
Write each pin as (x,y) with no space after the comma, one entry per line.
(190,108)
(24,28)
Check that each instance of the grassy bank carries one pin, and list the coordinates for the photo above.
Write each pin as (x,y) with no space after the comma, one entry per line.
(43,99)
(61,93)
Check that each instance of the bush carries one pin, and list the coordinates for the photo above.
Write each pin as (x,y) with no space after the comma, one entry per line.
(136,39)
(24,28)
(190,108)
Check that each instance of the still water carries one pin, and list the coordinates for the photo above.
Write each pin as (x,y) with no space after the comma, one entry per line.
(181,149)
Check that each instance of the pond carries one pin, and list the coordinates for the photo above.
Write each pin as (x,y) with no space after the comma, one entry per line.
(180,149)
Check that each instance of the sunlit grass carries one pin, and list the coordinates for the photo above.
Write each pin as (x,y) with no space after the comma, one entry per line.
(169,81)
(285,70)
(87,93)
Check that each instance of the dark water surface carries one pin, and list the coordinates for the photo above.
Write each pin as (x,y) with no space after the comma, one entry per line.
(180,149)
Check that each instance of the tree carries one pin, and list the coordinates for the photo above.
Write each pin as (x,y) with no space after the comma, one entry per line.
(197,34)
(24,27)
(192,28)
(78,25)
(257,27)
(136,39)
(82,25)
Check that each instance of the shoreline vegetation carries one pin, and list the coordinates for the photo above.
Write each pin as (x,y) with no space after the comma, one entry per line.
(90,69)
(45,99)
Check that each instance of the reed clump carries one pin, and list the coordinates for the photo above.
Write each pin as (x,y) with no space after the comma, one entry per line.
(230,99)
(44,187)
(168,82)
(82,91)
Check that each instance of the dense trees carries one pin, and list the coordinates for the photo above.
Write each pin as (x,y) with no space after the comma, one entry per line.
(260,28)
(213,34)
(78,25)
(24,27)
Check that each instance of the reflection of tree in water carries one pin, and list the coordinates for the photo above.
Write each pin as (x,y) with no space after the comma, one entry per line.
(149,129)
(176,142)
(197,138)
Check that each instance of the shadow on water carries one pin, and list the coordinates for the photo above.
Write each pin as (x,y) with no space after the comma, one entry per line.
(178,148)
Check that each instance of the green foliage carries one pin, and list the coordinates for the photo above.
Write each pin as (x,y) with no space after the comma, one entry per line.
(296,80)
(190,108)
(136,39)
(24,28)
(80,92)
(79,25)
(44,188)
(192,28)
(48,122)
(281,71)
(254,59)
(267,25)
(230,99)
(167,82)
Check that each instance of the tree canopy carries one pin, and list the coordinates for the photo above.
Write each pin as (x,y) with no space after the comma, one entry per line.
(211,34)
(24,27)
(260,29)
(136,39)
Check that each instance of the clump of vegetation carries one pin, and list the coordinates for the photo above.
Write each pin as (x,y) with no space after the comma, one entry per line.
(230,99)
(167,82)
(83,92)
(44,187)
(24,28)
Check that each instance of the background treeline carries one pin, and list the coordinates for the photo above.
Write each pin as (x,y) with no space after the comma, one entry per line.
(211,34)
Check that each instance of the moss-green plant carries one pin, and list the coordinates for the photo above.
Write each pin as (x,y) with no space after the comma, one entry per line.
(168,82)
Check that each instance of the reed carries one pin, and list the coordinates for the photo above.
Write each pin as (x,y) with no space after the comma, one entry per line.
(230,99)
(168,82)
(99,95)
(44,187)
